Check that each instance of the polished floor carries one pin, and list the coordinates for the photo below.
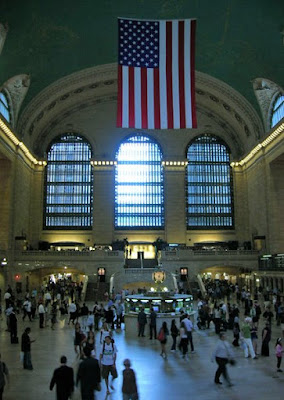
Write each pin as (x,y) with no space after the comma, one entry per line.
(172,379)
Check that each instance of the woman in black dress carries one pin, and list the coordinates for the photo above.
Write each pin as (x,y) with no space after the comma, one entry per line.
(89,342)
(266,336)
(174,333)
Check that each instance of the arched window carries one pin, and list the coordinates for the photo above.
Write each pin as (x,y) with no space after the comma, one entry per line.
(278,110)
(209,185)
(4,107)
(139,189)
(68,184)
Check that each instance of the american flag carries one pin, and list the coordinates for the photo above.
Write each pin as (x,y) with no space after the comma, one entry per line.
(156,88)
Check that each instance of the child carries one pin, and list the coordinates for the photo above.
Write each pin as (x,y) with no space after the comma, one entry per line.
(279,351)
(129,387)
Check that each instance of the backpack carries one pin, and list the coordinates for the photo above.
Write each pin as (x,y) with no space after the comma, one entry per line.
(112,342)
(161,335)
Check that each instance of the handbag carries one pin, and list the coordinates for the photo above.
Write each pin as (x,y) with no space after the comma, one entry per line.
(161,335)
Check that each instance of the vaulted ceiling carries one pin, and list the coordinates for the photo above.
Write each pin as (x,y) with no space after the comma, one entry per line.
(236,40)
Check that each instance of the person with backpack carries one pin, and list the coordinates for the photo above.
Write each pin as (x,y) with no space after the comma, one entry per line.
(107,361)
(4,376)
(162,337)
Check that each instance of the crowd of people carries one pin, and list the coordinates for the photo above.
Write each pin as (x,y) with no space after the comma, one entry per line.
(233,313)
(55,302)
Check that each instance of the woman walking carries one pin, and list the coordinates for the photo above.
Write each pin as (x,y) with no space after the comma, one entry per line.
(279,353)
(105,331)
(162,337)
(254,337)
(236,332)
(174,333)
(183,345)
(78,337)
(89,342)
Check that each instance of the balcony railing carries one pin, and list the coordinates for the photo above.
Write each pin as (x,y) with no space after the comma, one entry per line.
(194,253)
(66,254)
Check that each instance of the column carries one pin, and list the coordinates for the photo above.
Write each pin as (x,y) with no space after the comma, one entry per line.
(103,214)
(175,201)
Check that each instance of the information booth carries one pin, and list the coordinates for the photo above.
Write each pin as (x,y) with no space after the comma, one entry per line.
(167,307)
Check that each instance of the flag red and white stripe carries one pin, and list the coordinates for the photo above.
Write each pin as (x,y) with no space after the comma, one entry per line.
(160,97)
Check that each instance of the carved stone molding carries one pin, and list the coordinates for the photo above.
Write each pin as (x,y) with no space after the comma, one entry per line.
(3,34)
(17,88)
(265,92)
(45,136)
(78,91)
(88,82)
(227,132)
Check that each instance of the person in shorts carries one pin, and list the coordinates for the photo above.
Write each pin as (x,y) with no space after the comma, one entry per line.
(107,361)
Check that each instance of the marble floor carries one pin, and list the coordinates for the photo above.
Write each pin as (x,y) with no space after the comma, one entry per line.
(174,379)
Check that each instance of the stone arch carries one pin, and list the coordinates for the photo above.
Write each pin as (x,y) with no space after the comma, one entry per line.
(94,90)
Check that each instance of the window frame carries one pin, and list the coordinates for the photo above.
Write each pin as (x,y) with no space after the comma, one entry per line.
(278,109)
(6,106)
(206,185)
(158,163)
(66,184)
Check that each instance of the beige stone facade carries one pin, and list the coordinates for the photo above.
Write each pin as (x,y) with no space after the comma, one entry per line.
(85,103)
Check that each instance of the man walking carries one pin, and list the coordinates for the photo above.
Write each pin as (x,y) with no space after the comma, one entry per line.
(27,308)
(119,313)
(13,327)
(108,359)
(222,354)
(246,336)
(41,312)
(63,378)
(189,328)
(89,375)
(26,348)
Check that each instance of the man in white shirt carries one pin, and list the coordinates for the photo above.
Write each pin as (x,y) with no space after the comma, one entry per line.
(47,298)
(189,328)
(7,297)
(41,312)
(27,308)
(222,354)
(72,312)
(107,361)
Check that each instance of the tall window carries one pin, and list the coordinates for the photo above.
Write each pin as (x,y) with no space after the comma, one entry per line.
(139,191)
(209,185)
(278,110)
(69,184)
(4,107)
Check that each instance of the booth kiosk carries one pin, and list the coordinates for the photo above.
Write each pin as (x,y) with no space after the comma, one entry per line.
(167,307)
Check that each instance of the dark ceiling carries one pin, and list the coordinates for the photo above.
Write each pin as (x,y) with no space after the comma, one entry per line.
(236,41)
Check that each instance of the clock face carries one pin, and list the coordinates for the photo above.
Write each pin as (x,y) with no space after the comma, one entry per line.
(159,276)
